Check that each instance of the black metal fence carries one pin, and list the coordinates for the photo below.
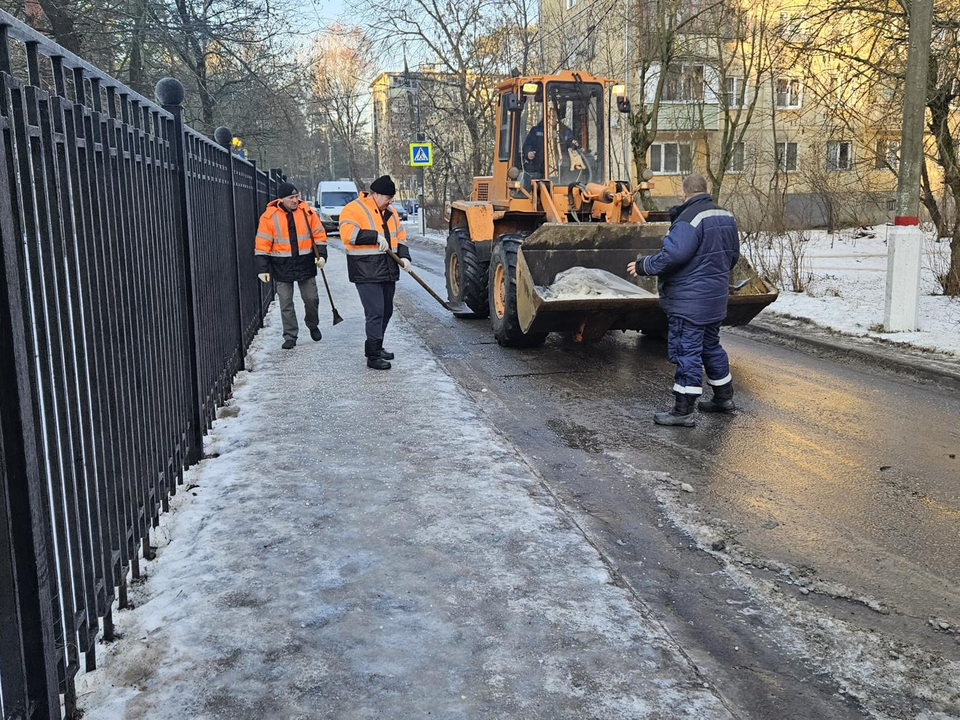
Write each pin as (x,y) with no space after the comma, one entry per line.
(128,299)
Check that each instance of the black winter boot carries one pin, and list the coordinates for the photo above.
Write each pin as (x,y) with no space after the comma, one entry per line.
(721,402)
(289,344)
(386,354)
(316,334)
(682,413)
(372,349)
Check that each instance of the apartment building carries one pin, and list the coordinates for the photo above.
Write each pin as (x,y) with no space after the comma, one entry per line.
(787,133)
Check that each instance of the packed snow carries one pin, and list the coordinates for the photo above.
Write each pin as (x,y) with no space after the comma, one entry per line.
(845,276)
(341,553)
(581,283)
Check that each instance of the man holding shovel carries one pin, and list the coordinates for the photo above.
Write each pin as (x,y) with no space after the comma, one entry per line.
(371,231)
(291,245)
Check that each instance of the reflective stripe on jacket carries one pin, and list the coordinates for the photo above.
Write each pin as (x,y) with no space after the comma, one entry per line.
(361,221)
(276,254)
(694,263)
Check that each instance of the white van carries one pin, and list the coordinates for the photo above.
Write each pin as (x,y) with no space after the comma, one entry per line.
(331,197)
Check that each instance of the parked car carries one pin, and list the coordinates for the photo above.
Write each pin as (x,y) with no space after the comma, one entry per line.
(401,210)
(331,197)
(410,206)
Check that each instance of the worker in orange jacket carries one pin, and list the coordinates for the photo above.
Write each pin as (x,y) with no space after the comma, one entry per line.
(287,262)
(369,226)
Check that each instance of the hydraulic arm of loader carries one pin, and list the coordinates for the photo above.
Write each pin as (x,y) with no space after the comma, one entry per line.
(545,196)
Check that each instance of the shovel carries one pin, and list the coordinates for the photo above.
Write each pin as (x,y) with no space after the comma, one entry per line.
(455,308)
(336,316)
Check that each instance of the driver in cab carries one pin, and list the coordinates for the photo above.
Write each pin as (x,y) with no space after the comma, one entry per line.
(533,147)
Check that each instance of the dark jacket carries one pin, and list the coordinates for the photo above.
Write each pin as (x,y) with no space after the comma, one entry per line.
(694,264)
(288,261)
(360,223)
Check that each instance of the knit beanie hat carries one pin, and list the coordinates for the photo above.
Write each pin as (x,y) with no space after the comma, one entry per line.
(383,186)
(286,190)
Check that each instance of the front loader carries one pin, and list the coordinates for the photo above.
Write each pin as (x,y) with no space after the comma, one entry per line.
(547,208)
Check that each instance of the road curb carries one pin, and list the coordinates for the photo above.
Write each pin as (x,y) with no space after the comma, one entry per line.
(805,336)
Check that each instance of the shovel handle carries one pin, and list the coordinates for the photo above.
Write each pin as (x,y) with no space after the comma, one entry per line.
(416,277)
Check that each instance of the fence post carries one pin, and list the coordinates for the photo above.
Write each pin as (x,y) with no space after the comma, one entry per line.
(28,651)
(224,137)
(170,92)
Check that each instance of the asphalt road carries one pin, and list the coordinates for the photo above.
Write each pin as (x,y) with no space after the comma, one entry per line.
(846,475)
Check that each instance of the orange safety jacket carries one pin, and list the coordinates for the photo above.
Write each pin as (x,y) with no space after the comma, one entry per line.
(361,221)
(277,255)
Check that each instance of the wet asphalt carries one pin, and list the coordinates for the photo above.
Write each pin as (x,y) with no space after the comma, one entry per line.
(845,473)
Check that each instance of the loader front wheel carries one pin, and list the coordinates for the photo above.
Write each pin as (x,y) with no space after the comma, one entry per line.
(503,295)
(466,274)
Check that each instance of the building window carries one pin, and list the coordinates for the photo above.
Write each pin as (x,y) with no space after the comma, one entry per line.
(789,26)
(787,156)
(839,155)
(570,4)
(736,159)
(888,154)
(734,92)
(891,205)
(670,158)
(684,83)
(788,93)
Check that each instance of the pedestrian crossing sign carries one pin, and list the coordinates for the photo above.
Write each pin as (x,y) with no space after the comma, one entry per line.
(421,154)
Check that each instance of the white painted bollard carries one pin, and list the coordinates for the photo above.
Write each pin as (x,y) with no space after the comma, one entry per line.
(904,255)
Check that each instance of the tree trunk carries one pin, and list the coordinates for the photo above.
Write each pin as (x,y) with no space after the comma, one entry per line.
(952,285)
(62,26)
(137,73)
(946,148)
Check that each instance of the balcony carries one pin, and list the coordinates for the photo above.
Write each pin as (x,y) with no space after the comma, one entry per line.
(688,117)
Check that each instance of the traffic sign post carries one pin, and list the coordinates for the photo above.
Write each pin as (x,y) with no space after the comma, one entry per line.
(421,156)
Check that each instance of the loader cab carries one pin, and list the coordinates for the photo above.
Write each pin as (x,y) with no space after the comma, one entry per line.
(549,129)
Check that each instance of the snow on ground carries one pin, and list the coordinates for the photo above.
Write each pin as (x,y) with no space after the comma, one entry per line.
(848,287)
(363,544)
(889,678)
(437,238)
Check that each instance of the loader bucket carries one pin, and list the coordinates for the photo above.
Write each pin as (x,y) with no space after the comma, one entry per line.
(556,247)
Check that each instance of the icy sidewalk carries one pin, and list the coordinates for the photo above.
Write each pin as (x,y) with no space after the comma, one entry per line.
(364,545)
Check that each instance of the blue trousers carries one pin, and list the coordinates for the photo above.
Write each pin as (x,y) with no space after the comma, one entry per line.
(377,301)
(691,347)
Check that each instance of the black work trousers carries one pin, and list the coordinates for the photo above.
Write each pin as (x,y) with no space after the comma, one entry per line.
(377,301)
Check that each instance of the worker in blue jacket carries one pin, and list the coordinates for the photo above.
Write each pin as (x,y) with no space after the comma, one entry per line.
(693,267)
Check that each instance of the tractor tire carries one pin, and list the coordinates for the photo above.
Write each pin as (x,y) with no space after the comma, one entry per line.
(503,295)
(466,274)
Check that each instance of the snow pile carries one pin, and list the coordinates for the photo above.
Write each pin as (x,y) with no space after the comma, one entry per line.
(580,283)
(847,275)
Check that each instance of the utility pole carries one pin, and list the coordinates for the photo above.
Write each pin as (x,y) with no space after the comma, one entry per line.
(420,170)
(905,247)
(416,117)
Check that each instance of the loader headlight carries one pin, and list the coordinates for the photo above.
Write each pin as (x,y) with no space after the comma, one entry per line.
(620,94)
(530,88)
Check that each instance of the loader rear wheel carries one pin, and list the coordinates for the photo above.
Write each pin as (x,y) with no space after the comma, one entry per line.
(503,295)
(466,274)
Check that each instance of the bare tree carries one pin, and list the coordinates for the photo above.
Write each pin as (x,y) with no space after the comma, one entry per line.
(341,73)
(870,37)
(468,46)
